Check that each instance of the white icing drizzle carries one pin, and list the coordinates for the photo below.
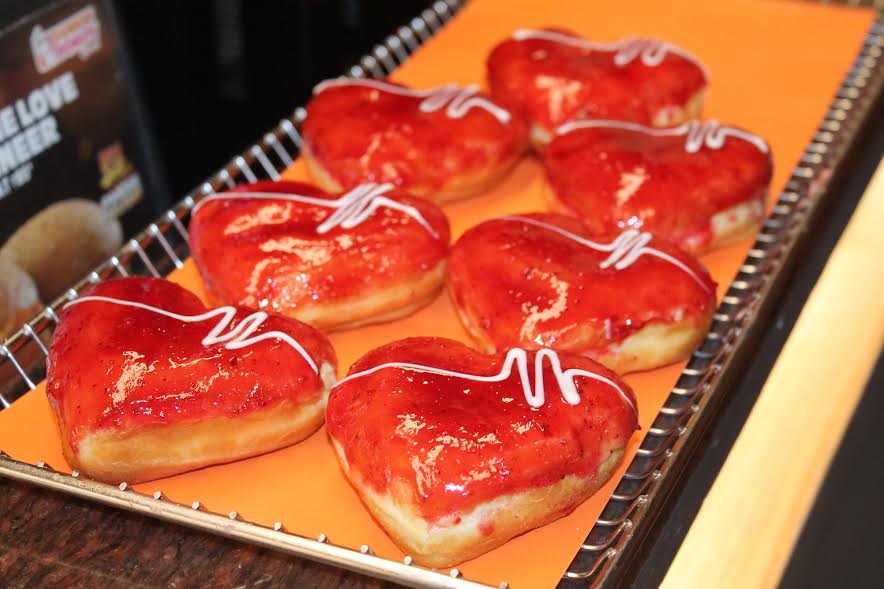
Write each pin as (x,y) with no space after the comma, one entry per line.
(652,52)
(352,208)
(459,100)
(534,390)
(239,337)
(629,246)
(713,135)
(697,135)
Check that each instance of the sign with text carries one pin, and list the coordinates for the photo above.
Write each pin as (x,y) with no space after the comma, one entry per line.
(66,129)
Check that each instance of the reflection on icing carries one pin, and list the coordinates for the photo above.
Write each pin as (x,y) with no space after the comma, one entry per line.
(459,100)
(710,134)
(352,208)
(272,214)
(623,251)
(559,91)
(131,372)
(309,252)
(652,52)
(534,391)
(630,182)
(239,337)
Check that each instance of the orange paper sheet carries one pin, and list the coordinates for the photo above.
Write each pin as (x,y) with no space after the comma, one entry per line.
(774,68)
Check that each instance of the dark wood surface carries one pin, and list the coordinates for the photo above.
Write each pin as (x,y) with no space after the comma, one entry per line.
(50,540)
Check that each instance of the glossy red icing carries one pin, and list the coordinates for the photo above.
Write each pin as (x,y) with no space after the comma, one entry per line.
(361,134)
(551,83)
(267,253)
(528,286)
(113,367)
(614,178)
(456,442)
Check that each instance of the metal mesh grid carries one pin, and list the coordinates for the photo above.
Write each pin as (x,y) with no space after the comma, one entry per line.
(162,246)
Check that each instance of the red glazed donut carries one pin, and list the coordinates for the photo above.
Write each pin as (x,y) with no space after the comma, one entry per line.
(455,452)
(554,76)
(333,261)
(630,301)
(146,382)
(700,185)
(442,144)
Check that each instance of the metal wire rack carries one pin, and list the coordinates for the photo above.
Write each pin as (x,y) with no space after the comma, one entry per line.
(654,471)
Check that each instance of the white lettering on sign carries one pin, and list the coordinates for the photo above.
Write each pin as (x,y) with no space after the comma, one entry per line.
(28,127)
(8,123)
(54,95)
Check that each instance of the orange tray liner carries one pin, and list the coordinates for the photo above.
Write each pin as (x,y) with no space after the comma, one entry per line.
(774,67)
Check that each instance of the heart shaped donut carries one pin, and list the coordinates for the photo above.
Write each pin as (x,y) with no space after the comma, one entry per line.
(442,144)
(701,185)
(630,301)
(554,76)
(370,255)
(145,382)
(455,452)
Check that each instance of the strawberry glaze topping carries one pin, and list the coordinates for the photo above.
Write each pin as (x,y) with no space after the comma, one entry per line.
(416,140)
(554,76)
(113,366)
(257,248)
(670,182)
(543,280)
(467,436)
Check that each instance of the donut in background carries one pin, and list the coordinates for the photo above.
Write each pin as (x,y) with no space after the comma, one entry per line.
(62,243)
(553,76)
(702,186)
(442,144)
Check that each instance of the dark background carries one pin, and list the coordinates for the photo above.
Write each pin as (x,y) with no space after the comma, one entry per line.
(216,74)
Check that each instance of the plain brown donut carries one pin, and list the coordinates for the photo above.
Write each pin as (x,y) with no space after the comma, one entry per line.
(63,242)
(19,300)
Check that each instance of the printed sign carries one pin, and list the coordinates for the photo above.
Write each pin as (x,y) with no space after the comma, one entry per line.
(77,35)
(66,129)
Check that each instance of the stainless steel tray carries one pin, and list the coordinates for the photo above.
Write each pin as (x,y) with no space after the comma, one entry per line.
(653,473)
